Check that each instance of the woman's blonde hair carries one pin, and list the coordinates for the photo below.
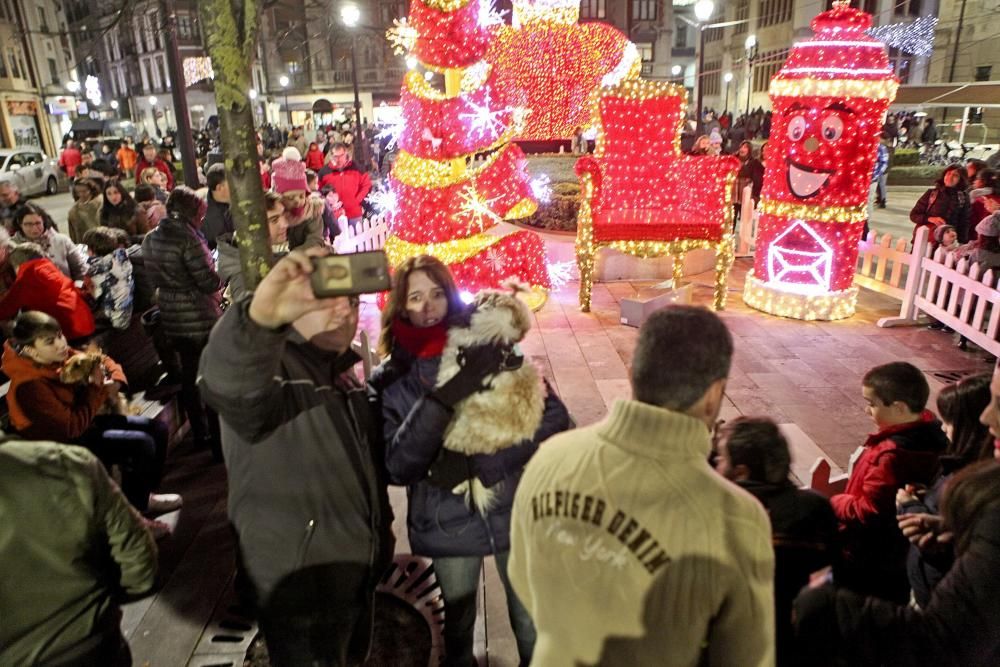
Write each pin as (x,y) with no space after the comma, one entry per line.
(395,306)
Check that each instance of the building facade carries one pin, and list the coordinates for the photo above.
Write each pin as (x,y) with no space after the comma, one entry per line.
(36,63)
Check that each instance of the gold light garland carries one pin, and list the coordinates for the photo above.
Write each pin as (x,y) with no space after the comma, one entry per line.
(845,214)
(449,252)
(829,306)
(876,90)
(425,173)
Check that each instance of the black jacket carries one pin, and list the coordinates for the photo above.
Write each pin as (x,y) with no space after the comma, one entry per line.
(303,453)
(181,269)
(804,534)
(440,523)
(950,204)
(957,627)
(218,221)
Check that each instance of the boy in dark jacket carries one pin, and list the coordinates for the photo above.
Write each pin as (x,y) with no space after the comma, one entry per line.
(754,454)
(905,450)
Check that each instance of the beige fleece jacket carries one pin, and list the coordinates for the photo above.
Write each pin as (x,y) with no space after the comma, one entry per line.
(628,549)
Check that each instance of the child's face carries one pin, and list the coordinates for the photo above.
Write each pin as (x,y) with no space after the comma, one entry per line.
(113,195)
(293,199)
(160,180)
(48,349)
(884,415)
(949,237)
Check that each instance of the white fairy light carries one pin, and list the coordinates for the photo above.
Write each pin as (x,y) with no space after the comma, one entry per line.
(485,120)
(914,37)
(402,36)
(628,61)
(392,131)
(488,14)
(541,188)
(560,273)
(477,208)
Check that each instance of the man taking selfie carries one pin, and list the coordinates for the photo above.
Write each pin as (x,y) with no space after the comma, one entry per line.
(307,492)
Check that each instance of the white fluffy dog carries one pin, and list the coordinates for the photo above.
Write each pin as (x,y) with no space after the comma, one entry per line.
(510,410)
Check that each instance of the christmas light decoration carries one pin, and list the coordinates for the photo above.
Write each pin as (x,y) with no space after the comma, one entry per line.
(829,101)
(541,187)
(641,196)
(914,37)
(384,199)
(197,69)
(488,14)
(392,131)
(557,63)
(457,177)
(402,36)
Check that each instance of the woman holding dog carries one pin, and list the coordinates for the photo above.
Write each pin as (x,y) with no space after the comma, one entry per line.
(57,393)
(421,414)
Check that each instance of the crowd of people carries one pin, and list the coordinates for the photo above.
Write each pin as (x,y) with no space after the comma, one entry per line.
(657,536)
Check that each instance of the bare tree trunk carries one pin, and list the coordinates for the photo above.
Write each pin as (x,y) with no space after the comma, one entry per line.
(230,29)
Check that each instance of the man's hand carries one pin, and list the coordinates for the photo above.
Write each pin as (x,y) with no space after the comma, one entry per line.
(936,220)
(286,294)
(991,204)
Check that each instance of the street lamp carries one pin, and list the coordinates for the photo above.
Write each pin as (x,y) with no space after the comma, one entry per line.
(751,49)
(350,15)
(675,71)
(153,101)
(728,78)
(73,86)
(284,81)
(703,10)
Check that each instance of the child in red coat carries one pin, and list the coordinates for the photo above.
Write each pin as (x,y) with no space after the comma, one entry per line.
(904,451)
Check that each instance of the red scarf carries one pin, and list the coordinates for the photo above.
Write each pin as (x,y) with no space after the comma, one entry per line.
(421,342)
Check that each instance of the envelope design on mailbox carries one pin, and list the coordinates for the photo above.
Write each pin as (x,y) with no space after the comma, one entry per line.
(800,260)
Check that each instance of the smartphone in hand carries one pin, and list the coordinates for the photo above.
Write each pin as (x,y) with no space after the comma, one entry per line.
(346,275)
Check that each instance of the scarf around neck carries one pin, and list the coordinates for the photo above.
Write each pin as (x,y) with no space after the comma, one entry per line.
(421,342)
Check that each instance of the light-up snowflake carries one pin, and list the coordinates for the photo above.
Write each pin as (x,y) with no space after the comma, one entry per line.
(484,120)
(541,188)
(385,200)
(402,36)
(392,131)
(488,14)
(478,209)
(496,260)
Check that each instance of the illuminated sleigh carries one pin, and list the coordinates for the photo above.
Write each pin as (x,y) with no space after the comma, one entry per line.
(641,196)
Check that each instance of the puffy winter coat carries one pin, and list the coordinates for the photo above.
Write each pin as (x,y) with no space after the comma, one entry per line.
(41,286)
(892,458)
(352,186)
(957,628)
(181,269)
(303,453)
(440,523)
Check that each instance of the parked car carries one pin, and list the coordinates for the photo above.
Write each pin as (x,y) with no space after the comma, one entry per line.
(31,170)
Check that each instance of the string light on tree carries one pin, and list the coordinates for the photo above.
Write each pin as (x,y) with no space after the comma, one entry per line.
(457,177)
(829,101)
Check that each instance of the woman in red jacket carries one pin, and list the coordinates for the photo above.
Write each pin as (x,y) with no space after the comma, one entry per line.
(314,157)
(43,407)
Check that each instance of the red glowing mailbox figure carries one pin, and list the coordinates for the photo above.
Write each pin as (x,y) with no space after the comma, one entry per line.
(829,103)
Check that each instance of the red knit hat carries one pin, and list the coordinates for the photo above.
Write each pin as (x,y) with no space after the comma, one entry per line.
(288,174)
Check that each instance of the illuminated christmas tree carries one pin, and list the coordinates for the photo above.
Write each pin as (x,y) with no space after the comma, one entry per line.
(458,177)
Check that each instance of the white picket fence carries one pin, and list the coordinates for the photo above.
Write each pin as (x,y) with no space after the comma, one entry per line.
(958,294)
(370,234)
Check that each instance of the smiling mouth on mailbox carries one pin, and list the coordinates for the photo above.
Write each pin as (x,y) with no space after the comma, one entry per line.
(805,182)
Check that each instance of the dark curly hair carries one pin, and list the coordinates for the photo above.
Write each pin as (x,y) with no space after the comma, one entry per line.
(30,208)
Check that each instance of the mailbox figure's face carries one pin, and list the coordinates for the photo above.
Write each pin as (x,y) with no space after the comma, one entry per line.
(825,148)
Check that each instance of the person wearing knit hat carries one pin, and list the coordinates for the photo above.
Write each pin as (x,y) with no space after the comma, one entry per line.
(985,250)
(946,236)
(304,215)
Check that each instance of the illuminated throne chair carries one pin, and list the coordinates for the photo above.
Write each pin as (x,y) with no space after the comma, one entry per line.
(641,196)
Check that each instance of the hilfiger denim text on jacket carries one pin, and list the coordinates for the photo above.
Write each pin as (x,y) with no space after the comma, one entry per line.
(557,505)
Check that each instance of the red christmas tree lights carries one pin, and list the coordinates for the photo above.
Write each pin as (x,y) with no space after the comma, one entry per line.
(829,101)
(458,177)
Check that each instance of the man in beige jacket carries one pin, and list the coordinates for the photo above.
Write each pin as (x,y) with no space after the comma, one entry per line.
(627,547)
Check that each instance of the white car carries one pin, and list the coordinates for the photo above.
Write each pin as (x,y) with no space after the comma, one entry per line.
(33,172)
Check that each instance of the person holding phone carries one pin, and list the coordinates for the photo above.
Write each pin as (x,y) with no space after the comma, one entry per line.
(422,307)
(307,491)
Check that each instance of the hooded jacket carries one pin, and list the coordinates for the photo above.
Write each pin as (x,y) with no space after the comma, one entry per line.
(41,286)
(352,186)
(180,267)
(893,457)
(302,450)
(83,216)
(629,549)
(70,544)
(44,408)
(439,521)
(218,221)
